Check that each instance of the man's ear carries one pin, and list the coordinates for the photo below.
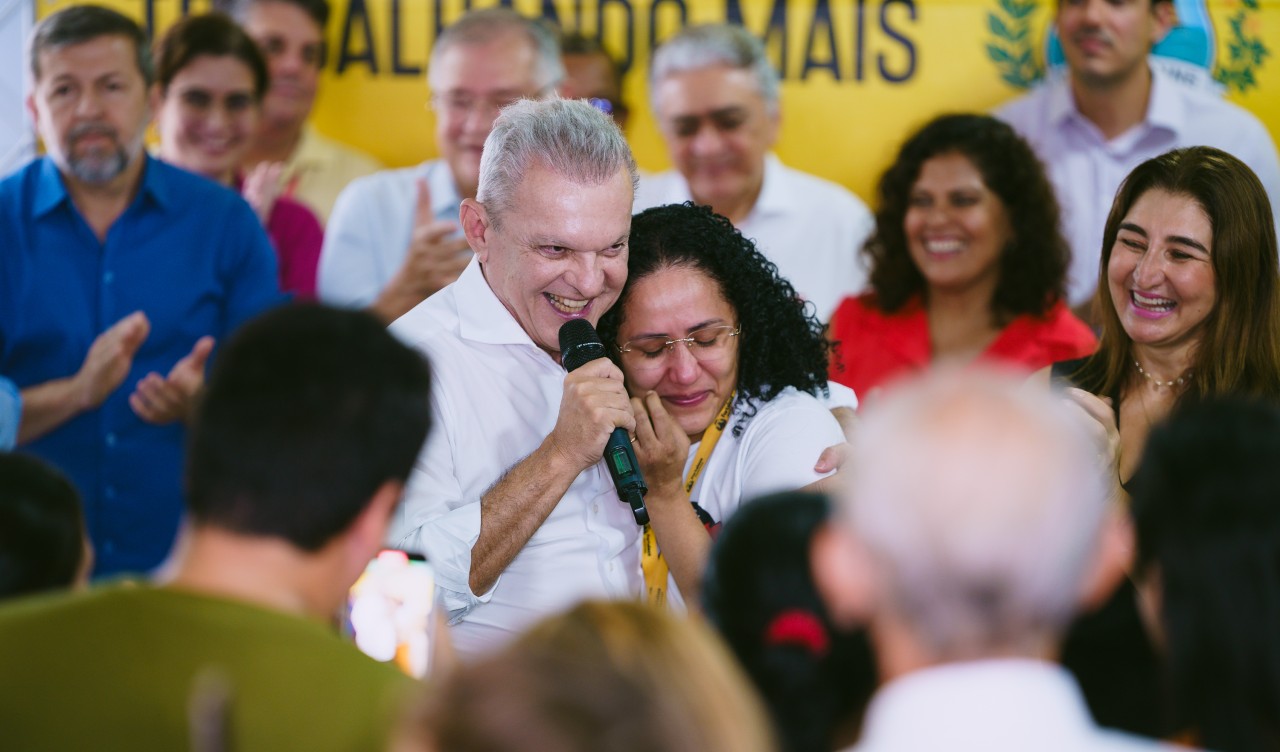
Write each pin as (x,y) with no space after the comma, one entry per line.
(369,528)
(31,110)
(1164,17)
(475,227)
(843,575)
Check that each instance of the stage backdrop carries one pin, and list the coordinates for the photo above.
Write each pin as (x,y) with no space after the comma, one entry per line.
(858,74)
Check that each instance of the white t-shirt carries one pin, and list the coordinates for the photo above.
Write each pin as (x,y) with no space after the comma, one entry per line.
(776,452)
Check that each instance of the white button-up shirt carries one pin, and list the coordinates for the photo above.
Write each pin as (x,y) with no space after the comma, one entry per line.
(1086,169)
(811,228)
(496,396)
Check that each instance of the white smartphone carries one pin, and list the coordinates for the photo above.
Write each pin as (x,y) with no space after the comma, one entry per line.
(391,611)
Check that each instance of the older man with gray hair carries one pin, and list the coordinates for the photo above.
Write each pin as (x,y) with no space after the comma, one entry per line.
(715,95)
(973,526)
(509,498)
(393,238)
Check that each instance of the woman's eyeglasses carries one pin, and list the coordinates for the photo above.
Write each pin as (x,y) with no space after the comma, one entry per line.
(706,345)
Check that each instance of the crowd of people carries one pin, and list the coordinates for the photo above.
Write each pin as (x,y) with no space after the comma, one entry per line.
(988,467)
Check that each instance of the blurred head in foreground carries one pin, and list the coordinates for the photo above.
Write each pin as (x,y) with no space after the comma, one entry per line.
(602,677)
(1208,568)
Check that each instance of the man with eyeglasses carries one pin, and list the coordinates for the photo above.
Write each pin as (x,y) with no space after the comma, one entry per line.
(393,239)
(715,95)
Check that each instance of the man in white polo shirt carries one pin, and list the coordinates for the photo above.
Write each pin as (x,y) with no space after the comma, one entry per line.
(715,96)
(394,239)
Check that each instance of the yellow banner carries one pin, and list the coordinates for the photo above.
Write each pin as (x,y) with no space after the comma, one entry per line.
(859,75)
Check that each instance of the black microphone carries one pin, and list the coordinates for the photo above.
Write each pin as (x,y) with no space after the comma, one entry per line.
(579,345)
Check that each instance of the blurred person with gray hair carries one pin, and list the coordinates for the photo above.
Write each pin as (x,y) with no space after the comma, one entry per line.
(716,98)
(394,238)
(968,574)
(509,497)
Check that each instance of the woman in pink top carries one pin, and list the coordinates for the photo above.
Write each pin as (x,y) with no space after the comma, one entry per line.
(211,80)
(967,262)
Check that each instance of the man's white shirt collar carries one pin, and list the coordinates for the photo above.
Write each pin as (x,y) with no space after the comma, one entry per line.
(484,318)
(1165,109)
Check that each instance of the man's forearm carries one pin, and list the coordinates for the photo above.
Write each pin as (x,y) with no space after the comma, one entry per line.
(47,406)
(513,510)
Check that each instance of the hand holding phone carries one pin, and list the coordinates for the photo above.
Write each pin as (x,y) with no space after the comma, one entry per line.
(391,611)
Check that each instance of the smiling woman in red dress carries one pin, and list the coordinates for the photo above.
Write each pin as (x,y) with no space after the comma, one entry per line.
(967,262)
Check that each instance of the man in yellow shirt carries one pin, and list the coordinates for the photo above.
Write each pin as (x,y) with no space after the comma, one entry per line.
(291,35)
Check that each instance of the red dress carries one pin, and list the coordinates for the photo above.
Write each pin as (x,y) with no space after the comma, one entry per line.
(875,347)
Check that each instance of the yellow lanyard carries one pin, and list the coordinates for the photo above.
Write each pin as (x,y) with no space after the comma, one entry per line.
(651,560)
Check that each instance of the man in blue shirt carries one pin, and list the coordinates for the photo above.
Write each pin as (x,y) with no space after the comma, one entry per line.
(117,275)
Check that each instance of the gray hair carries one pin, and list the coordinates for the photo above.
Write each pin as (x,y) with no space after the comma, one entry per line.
(980,502)
(81,23)
(703,46)
(568,136)
(480,26)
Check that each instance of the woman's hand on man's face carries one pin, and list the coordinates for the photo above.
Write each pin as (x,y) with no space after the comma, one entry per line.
(661,445)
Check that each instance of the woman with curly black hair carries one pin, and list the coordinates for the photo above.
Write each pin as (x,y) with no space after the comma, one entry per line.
(719,353)
(967,261)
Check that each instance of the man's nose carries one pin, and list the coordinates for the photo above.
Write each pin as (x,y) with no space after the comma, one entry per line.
(479,119)
(706,140)
(588,275)
(1092,11)
(288,62)
(89,103)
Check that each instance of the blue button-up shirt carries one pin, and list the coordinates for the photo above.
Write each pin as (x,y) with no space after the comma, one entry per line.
(187,252)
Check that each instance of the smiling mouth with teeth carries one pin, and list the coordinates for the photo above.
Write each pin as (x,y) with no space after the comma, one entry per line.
(1151,304)
(943,247)
(565,305)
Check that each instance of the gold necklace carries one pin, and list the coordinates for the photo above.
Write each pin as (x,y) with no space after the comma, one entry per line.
(1176,382)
